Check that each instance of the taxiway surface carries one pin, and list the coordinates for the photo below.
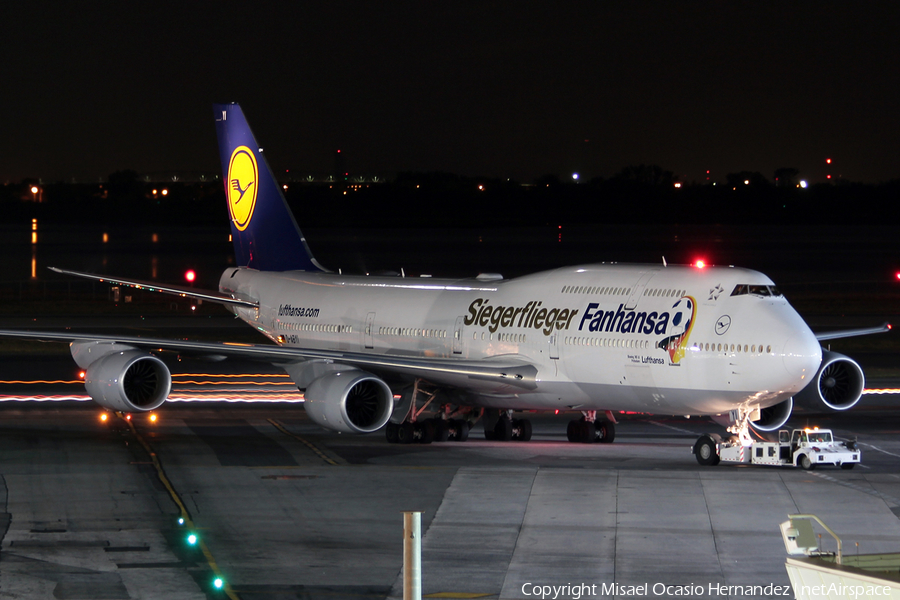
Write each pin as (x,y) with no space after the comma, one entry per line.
(286,510)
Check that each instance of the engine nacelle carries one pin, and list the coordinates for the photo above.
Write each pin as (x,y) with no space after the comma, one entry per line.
(129,381)
(350,401)
(838,384)
(774,417)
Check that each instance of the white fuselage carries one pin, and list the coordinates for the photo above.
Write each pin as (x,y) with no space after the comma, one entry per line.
(645,338)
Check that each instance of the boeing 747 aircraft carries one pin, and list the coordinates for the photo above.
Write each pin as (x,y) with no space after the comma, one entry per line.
(383,352)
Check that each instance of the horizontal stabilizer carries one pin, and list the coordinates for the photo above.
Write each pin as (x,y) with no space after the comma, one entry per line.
(151,286)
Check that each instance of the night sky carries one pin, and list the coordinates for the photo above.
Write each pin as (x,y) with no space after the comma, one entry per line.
(497,89)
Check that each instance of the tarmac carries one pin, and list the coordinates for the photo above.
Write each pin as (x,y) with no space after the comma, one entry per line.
(285,510)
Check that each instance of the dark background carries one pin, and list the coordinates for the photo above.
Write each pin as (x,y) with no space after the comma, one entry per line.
(493,89)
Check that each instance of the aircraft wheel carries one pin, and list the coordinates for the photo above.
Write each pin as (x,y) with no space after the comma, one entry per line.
(441,431)
(805,463)
(606,431)
(573,430)
(406,433)
(524,429)
(426,432)
(503,430)
(463,430)
(705,451)
(391,433)
(588,433)
(847,466)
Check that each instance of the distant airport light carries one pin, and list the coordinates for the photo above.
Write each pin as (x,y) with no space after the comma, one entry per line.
(803,183)
(153,417)
(127,417)
(284,187)
(180,521)
(827,161)
(192,539)
(164,192)
(678,184)
(828,176)
(34,189)
(218,583)
(81,375)
(746,182)
(105,238)
(898,274)
(190,275)
(104,417)
(481,187)
(700,264)
(575,176)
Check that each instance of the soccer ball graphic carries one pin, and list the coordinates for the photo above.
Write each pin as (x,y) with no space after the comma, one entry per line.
(682,314)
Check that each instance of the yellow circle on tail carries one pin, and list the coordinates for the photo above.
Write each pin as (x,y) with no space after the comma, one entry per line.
(241,187)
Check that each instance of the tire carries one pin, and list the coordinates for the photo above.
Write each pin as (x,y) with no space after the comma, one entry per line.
(406,433)
(426,432)
(463,434)
(503,430)
(847,466)
(588,433)
(525,433)
(441,431)
(705,451)
(805,463)
(573,430)
(391,433)
(607,431)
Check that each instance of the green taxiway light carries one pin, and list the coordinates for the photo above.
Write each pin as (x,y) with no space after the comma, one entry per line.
(218,583)
(192,539)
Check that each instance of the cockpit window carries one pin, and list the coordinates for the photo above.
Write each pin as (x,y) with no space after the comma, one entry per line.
(743,289)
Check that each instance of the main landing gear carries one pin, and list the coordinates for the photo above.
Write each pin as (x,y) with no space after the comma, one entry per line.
(588,429)
(440,428)
(505,428)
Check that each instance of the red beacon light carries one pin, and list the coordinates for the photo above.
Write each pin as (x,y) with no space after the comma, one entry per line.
(190,275)
(700,264)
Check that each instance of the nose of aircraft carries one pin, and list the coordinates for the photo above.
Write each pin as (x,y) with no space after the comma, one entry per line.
(802,356)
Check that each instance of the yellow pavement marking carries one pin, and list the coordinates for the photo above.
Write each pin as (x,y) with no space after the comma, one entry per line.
(177,499)
(308,444)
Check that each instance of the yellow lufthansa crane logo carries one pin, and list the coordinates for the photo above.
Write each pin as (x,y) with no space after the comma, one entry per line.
(241,187)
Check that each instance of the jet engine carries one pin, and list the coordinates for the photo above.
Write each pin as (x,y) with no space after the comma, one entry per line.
(350,401)
(129,381)
(838,383)
(773,417)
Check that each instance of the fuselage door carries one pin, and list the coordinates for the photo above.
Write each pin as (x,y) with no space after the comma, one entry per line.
(370,324)
(458,336)
(638,290)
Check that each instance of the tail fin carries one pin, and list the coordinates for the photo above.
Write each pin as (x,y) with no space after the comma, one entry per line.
(265,234)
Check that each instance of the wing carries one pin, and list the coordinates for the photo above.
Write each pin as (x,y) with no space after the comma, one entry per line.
(833,335)
(185,292)
(506,374)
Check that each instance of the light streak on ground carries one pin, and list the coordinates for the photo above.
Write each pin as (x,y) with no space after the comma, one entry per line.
(56,382)
(212,387)
(882,391)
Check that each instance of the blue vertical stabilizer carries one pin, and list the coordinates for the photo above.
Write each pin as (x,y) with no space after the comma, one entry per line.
(266,236)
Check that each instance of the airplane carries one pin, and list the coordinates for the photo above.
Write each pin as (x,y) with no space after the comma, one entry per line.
(425,358)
